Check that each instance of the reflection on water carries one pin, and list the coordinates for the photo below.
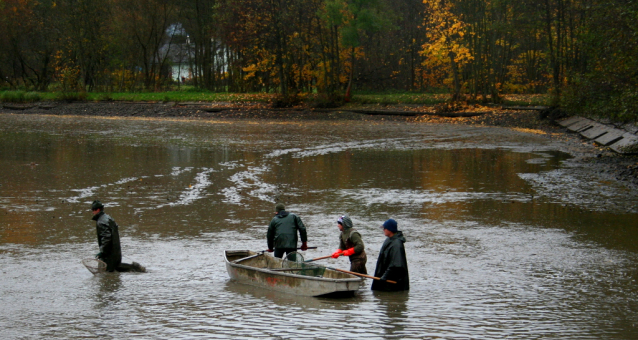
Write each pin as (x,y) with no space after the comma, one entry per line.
(395,316)
(506,237)
(107,295)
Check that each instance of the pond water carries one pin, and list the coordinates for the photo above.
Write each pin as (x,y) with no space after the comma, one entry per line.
(506,235)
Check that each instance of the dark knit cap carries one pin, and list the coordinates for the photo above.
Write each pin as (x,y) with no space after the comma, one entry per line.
(279,207)
(391,225)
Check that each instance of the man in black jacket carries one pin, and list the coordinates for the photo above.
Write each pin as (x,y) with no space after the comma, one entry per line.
(282,232)
(108,237)
(392,263)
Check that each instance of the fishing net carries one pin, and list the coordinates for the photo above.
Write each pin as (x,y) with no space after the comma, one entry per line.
(292,260)
(295,261)
(95,266)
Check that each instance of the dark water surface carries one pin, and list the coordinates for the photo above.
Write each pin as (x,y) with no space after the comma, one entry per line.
(507,237)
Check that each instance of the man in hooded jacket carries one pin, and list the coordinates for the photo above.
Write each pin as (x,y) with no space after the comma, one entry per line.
(282,232)
(108,237)
(392,263)
(351,244)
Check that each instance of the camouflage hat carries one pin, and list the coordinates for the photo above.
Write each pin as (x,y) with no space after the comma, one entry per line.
(279,207)
(97,205)
(345,221)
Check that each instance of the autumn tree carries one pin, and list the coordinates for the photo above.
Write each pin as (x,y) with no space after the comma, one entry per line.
(399,58)
(205,22)
(364,17)
(29,40)
(606,82)
(446,48)
(141,31)
(86,42)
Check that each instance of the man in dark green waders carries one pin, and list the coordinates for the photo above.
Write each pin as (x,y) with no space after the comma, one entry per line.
(108,237)
(351,244)
(392,263)
(282,232)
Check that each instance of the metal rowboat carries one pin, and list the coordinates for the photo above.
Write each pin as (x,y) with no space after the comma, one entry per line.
(260,269)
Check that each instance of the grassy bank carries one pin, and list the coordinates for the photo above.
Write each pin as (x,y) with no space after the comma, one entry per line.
(191,95)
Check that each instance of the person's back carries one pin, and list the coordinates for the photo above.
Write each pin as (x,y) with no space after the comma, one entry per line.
(282,232)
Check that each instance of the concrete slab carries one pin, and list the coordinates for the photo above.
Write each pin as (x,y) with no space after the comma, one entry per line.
(596,131)
(612,136)
(581,125)
(569,121)
(631,128)
(628,144)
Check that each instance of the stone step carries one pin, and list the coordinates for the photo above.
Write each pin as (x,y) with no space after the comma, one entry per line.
(597,130)
(628,144)
(610,137)
(581,125)
(616,139)
(569,121)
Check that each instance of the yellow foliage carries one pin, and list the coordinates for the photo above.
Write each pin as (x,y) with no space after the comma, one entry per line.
(518,73)
(67,73)
(445,31)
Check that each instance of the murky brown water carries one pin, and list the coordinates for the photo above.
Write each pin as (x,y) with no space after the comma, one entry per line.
(506,236)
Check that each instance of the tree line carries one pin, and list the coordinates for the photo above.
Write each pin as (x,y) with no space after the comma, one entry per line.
(582,52)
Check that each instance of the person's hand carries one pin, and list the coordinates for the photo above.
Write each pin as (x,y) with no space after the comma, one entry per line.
(98,255)
(269,250)
(337,253)
(304,246)
(348,252)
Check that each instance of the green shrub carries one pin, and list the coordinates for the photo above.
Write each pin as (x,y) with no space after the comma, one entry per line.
(12,96)
(72,96)
(104,97)
(20,97)
(592,99)
(31,97)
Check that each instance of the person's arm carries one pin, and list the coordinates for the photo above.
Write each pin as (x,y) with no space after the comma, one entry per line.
(302,233)
(342,247)
(270,236)
(355,238)
(302,229)
(106,238)
(395,266)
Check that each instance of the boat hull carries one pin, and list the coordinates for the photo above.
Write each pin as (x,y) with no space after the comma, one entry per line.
(256,269)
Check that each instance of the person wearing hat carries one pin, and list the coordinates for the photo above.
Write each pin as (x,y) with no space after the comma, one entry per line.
(351,244)
(108,237)
(392,263)
(282,232)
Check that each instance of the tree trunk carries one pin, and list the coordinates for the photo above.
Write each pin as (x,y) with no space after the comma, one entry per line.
(456,94)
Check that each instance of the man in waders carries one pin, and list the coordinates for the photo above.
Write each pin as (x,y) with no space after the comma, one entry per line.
(108,237)
(351,244)
(392,263)
(282,232)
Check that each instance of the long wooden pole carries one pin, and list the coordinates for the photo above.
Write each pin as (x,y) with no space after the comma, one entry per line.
(362,275)
(337,269)
(319,258)
(262,252)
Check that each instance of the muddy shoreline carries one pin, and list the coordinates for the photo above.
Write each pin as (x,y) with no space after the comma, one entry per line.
(602,160)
